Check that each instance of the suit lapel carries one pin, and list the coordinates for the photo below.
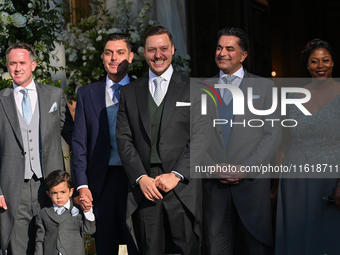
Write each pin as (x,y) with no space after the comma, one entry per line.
(174,92)
(98,99)
(43,107)
(142,99)
(10,109)
(67,213)
(52,214)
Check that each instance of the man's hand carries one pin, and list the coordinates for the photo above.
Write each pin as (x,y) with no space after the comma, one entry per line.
(85,199)
(233,176)
(3,203)
(166,182)
(149,189)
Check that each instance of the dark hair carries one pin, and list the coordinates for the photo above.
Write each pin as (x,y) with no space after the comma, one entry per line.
(57,177)
(238,32)
(157,30)
(313,45)
(116,37)
(25,46)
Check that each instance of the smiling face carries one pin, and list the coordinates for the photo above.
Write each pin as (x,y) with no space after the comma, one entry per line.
(116,59)
(320,64)
(229,55)
(60,194)
(20,67)
(158,53)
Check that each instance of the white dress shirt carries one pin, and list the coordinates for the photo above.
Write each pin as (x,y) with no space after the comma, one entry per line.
(32,93)
(237,82)
(165,84)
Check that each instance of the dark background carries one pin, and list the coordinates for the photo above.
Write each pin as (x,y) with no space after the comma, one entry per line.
(278,30)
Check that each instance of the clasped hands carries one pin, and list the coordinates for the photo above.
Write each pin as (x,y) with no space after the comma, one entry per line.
(151,186)
(232,175)
(85,199)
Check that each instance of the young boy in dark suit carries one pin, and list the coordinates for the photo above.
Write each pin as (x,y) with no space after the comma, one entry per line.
(60,227)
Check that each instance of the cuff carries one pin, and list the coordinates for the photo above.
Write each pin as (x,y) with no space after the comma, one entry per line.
(89,215)
(178,175)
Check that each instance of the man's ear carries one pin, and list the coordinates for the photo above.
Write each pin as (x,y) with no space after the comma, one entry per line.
(244,55)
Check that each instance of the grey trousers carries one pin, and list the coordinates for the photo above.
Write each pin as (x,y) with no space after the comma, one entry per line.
(33,198)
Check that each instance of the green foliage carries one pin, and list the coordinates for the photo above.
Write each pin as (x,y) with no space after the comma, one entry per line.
(33,22)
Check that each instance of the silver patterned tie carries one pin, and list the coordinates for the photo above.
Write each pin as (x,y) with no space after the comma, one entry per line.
(227,96)
(60,210)
(26,106)
(158,94)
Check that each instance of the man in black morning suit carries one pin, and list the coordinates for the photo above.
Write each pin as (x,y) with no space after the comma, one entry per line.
(153,134)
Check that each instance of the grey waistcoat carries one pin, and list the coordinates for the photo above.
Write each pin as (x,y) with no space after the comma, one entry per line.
(31,139)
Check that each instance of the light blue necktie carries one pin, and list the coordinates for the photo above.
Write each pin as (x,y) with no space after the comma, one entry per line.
(26,106)
(227,96)
(158,94)
(60,210)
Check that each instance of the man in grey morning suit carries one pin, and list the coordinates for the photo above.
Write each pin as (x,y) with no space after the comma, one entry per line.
(33,117)
(240,201)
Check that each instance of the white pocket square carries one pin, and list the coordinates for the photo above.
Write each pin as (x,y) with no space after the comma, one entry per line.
(182,104)
(53,108)
(256,96)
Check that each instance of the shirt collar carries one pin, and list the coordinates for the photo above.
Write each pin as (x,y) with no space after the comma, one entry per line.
(124,81)
(166,75)
(239,73)
(67,206)
(30,86)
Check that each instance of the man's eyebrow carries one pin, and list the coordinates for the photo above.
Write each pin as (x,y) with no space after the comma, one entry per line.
(228,47)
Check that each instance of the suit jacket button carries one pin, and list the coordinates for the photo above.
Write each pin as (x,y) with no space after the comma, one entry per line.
(110,146)
(29,131)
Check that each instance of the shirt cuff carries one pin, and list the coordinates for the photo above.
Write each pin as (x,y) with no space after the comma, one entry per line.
(140,177)
(89,215)
(177,173)
(82,186)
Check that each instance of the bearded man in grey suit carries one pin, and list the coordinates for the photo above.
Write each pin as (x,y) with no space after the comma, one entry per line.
(238,201)
(33,117)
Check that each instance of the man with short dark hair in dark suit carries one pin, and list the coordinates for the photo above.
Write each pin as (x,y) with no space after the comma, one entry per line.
(237,201)
(97,167)
(153,134)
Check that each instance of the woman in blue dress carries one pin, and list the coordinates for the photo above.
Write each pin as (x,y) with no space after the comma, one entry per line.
(308,216)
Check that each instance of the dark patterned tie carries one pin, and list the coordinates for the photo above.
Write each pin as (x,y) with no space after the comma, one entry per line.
(116,94)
